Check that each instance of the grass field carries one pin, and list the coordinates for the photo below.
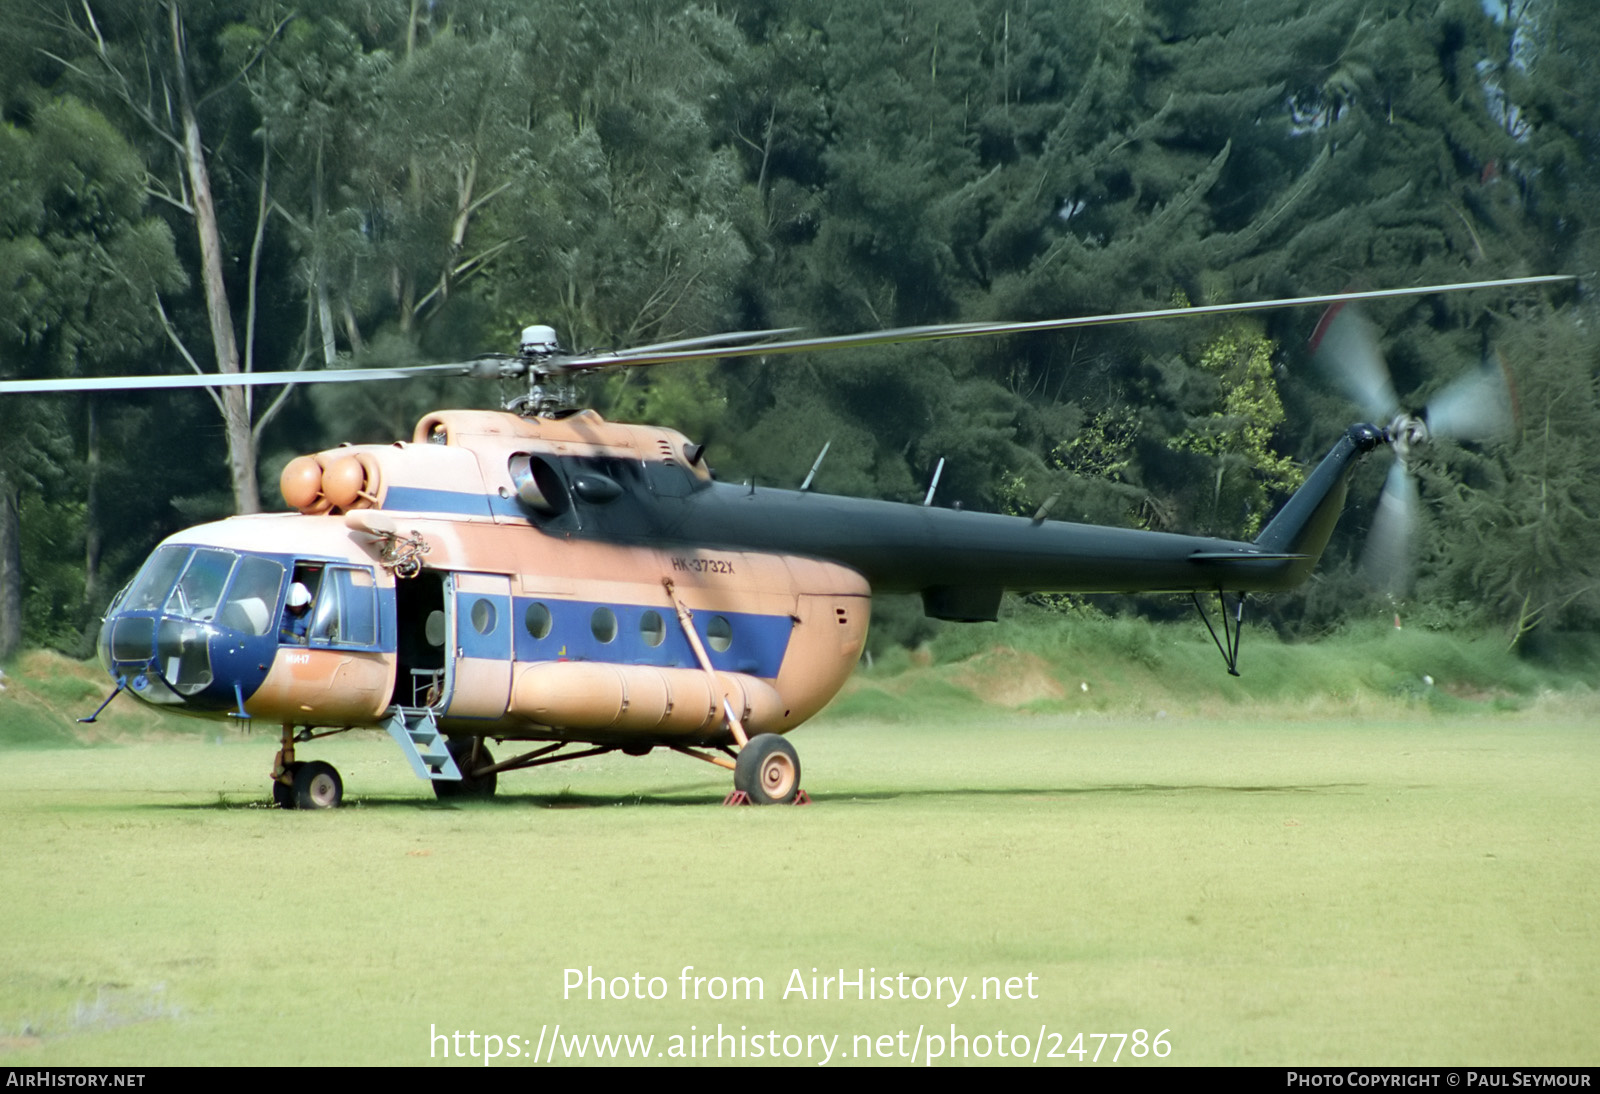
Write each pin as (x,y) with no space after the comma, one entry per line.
(1380,883)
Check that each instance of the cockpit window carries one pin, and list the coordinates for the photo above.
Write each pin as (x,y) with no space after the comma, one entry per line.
(200,588)
(253,596)
(346,609)
(150,588)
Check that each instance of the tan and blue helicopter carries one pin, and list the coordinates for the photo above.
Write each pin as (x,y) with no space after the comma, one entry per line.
(542,576)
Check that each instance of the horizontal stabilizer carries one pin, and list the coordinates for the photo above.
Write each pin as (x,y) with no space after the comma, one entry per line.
(1243,556)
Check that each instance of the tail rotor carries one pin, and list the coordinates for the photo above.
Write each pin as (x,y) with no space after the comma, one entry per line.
(1474,407)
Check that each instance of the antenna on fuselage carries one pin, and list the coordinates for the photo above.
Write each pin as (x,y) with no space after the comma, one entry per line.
(934,485)
(813,473)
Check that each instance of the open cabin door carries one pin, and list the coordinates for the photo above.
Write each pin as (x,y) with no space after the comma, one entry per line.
(479,677)
(422,641)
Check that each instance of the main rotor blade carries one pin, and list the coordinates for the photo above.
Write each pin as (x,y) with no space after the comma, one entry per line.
(1345,346)
(711,347)
(974,330)
(706,340)
(249,379)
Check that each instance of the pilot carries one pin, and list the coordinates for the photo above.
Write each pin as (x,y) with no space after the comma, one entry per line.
(296,614)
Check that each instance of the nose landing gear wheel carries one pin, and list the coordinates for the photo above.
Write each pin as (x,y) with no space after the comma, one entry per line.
(317,786)
(767,770)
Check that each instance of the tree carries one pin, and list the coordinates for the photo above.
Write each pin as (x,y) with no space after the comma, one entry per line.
(148,60)
(1238,435)
(409,181)
(1524,548)
(82,260)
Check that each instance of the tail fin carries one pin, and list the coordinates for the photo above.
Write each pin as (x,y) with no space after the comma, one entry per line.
(1302,526)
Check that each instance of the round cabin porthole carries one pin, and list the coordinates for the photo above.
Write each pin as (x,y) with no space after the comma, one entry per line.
(537,620)
(603,623)
(483,616)
(719,633)
(652,629)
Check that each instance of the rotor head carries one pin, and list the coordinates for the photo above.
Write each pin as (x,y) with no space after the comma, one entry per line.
(1405,432)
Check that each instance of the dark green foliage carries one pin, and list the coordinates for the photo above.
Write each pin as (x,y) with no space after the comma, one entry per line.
(435,176)
(80,262)
(1522,522)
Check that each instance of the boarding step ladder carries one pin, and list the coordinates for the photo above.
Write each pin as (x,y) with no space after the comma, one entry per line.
(416,731)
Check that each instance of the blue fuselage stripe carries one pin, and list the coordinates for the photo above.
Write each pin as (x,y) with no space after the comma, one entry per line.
(419,500)
(756,644)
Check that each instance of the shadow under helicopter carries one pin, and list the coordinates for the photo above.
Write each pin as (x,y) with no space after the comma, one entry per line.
(708,793)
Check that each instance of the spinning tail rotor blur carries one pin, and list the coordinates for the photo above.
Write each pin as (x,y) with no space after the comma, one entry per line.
(1477,406)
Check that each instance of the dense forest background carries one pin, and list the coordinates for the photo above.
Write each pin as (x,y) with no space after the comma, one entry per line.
(243,184)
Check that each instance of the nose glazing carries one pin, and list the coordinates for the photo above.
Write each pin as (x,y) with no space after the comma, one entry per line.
(186,631)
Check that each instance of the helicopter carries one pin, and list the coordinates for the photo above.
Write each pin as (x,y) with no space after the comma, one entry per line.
(541,576)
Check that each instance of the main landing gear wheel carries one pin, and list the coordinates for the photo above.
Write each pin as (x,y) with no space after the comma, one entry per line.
(767,770)
(317,786)
(470,786)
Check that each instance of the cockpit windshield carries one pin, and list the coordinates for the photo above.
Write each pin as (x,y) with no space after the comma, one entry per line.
(190,583)
(200,588)
(155,579)
(192,624)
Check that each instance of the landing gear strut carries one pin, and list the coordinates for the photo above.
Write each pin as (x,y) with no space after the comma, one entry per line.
(309,785)
(283,792)
(1228,644)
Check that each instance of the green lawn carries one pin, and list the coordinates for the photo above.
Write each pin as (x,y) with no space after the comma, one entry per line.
(1413,887)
